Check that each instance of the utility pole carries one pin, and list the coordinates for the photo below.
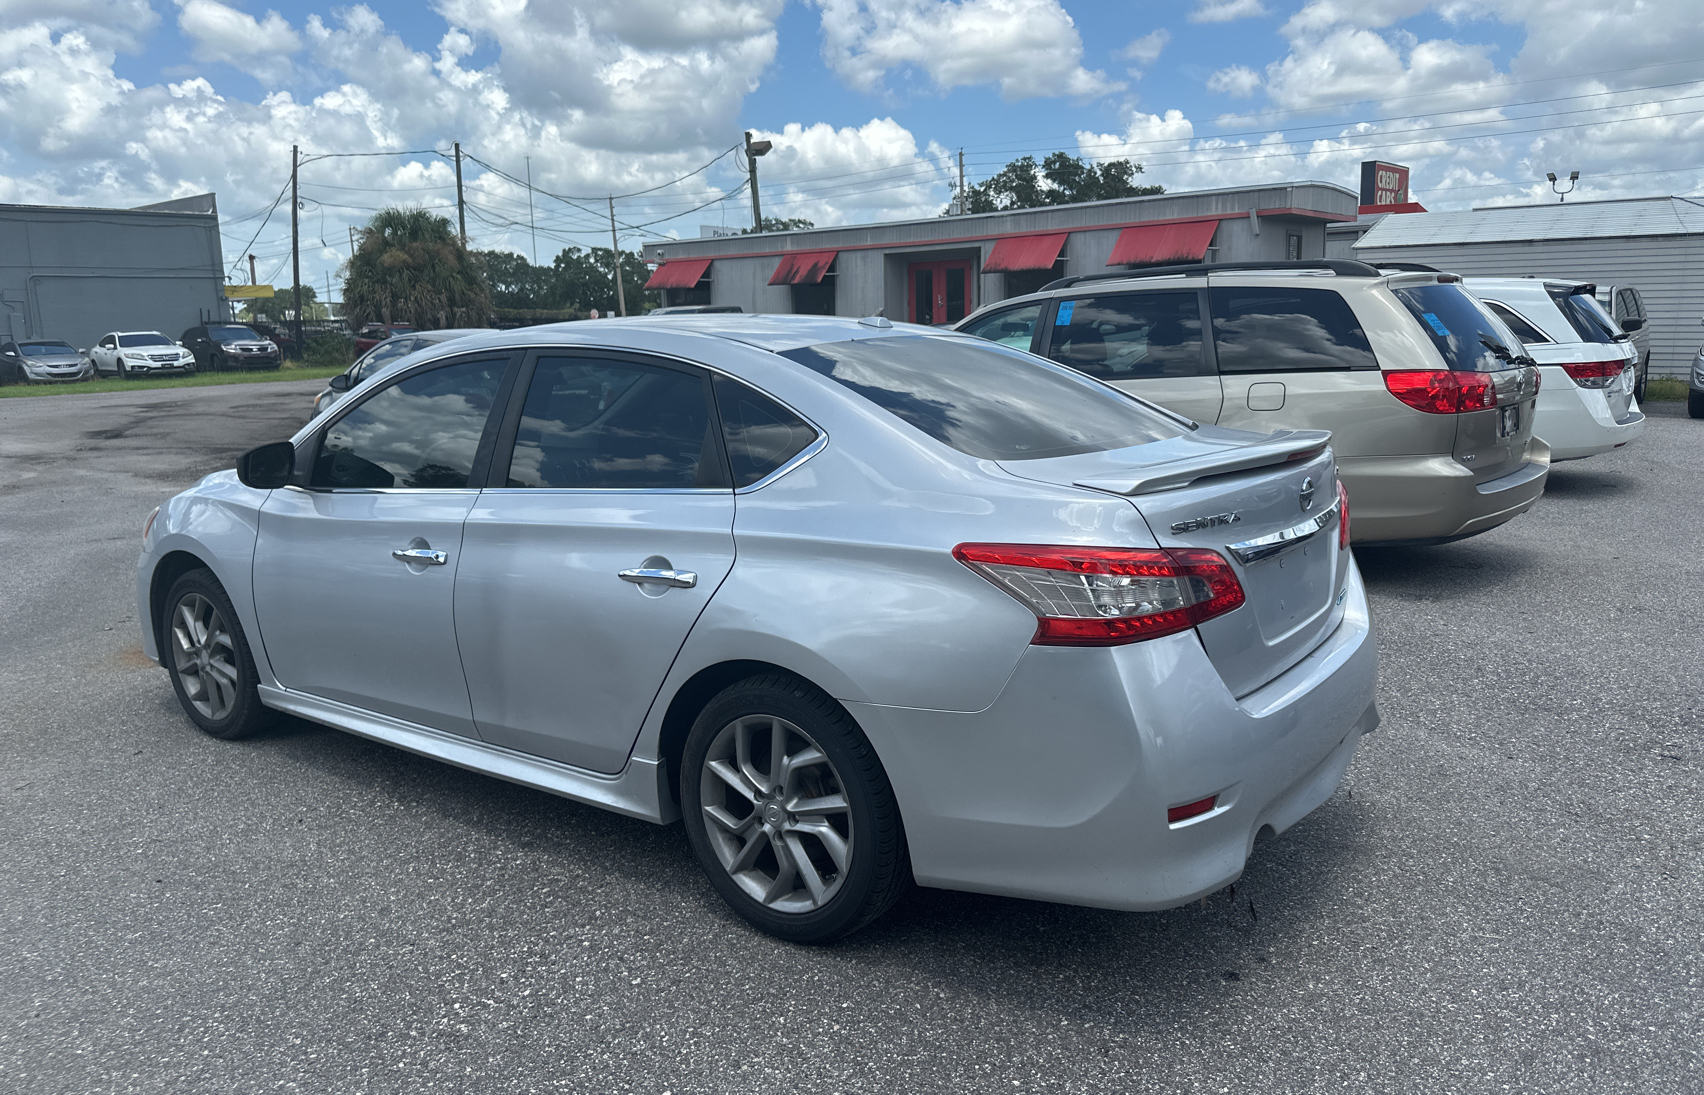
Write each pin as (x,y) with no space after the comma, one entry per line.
(296,242)
(615,252)
(530,219)
(253,280)
(964,200)
(753,150)
(461,206)
(352,243)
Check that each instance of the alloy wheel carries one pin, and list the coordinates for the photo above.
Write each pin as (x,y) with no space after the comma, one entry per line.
(776,813)
(205,656)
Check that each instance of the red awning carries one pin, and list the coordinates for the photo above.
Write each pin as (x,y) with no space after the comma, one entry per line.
(803,268)
(1024,253)
(1185,242)
(680,274)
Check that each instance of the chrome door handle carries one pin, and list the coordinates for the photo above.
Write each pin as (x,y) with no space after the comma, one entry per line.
(421,555)
(679,579)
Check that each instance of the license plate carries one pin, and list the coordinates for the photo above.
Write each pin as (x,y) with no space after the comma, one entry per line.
(1509,420)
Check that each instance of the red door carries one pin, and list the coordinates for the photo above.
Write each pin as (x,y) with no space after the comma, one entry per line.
(940,291)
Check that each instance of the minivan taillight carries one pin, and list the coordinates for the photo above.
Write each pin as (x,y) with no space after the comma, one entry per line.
(1342,516)
(1442,391)
(1085,596)
(1595,374)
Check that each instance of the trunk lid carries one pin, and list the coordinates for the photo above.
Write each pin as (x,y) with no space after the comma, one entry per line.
(1493,442)
(1267,504)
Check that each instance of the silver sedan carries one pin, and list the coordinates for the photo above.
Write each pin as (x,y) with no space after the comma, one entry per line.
(860,603)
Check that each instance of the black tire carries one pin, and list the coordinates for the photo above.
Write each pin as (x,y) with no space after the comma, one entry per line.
(877,870)
(1695,403)
(123,373)
(203,698)
(1644,372)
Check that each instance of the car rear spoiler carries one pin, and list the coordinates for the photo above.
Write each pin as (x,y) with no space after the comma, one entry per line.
(1281,447)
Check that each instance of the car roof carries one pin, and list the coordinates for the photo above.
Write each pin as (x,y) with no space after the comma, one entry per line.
(773,332)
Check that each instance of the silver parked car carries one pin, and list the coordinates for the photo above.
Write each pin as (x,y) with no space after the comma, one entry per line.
(860,603)
(43,359)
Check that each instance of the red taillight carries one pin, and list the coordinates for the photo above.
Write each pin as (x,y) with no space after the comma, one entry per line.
(1084,596)
(1342,516)
(1443,391)
(1594,374)
(1191,809)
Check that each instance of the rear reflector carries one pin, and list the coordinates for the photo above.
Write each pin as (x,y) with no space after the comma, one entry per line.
(1192,809)
(1085,596)
(1595,374)
(1443,391)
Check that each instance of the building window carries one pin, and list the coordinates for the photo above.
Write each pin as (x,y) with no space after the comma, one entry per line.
(698,294)
(1293,247)
(818,299)
(1020,282)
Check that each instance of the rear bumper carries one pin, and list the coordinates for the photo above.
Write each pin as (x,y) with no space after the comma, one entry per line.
(1576,422)
(1434,499)
(1058,791)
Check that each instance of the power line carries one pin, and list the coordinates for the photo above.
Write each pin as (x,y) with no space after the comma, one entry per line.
(259,230)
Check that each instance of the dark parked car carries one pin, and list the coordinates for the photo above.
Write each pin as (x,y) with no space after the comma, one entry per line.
(221,346)
(374,333)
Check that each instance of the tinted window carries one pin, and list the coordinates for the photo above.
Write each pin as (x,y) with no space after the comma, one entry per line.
(1131,336)
(1517,323)
(1015,327)
(44,349)
(231,334)
(422,431)
(759,433)
(131,341)
(1468,336)
(1585,315)
(1287,330)
(616,425)
(985,400)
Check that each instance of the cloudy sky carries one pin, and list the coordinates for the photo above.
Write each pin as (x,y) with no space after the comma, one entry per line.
(123,102)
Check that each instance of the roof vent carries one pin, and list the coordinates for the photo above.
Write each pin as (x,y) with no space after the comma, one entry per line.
(879,322)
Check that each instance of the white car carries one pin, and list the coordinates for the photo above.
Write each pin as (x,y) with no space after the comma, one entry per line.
(1588,363)
(125,354)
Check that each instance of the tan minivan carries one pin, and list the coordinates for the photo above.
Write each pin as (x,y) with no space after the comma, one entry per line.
(1428,396)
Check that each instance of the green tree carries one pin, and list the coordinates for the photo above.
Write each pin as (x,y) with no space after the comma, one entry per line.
(1060,179)
(410,267)
(516,283)
(780,224)
(583,280)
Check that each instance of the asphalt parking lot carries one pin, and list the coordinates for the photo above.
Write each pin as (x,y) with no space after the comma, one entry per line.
(1505,895)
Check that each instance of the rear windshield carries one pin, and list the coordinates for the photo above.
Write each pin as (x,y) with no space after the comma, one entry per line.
(132,341)
(1469,337)
(985,400)
(1585,315)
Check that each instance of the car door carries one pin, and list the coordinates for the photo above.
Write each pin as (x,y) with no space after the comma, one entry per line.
(583,571)
(1147,343)
(354,571)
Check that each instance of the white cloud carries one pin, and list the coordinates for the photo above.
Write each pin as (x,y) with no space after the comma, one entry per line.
(1351,65)
(1225,11)
(1146,49)
(1237,81)
(1029,48)
(837,176)
(107,24)
(221,33)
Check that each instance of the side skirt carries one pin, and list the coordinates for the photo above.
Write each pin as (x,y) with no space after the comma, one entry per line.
(636,791)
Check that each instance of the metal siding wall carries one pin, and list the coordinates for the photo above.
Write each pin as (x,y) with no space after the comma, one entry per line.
(1666,270)
(78,273)
(858,288)
(745,282)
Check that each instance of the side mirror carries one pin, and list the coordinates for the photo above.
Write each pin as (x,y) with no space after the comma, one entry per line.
(342,382)
(268,467)
(1630,324)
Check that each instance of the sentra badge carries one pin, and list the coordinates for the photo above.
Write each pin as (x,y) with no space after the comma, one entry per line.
(1195,524)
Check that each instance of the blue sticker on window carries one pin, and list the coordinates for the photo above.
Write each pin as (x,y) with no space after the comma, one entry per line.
(1437,324)
(1064,315)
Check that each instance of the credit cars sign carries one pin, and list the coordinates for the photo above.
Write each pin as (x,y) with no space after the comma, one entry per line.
(1383,183)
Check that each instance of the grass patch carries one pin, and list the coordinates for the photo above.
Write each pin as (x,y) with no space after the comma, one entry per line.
(292,370)
(1664,389)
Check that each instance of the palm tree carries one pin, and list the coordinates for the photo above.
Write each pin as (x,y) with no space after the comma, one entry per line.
(410,267)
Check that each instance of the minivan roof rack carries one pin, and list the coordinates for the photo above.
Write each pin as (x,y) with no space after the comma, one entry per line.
(1341,267)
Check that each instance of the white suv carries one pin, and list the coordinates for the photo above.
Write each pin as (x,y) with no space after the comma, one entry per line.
(1428,396)
(1590,365)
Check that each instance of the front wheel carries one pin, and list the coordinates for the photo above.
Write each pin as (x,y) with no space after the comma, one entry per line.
(790,813)
(1695,403)
(123,373)
(208,657)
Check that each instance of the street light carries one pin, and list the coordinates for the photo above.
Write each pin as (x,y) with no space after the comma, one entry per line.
(1573,177)
(753,150)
